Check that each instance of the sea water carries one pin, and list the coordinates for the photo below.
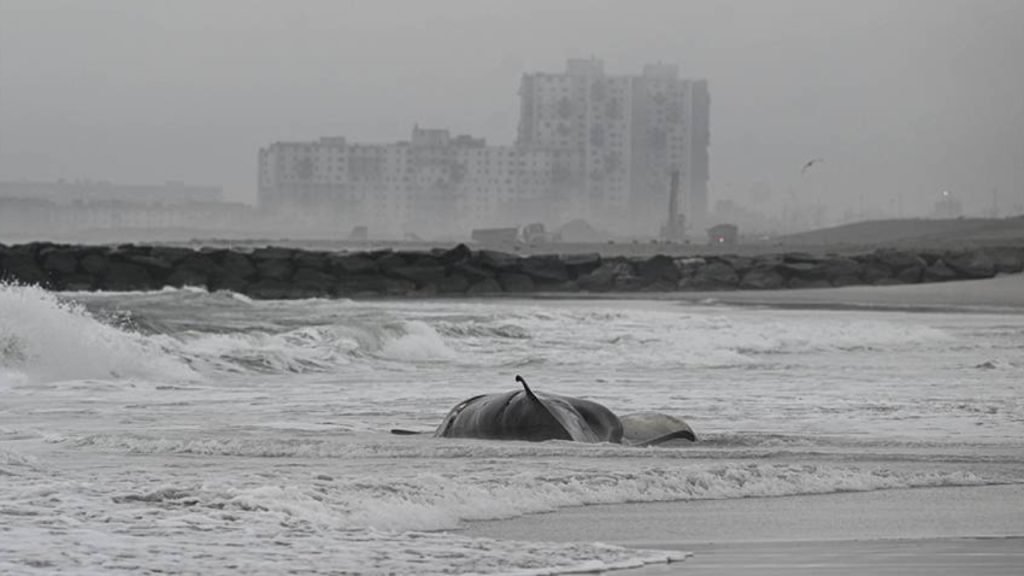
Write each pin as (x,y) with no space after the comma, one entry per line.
(184,431)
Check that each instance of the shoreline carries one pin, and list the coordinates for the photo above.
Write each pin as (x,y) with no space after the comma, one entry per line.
(975,529)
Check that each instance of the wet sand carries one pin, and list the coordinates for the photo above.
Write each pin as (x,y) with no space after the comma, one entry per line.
(955,530)
(999,292)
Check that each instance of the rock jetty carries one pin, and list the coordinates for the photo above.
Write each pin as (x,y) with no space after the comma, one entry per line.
(283,273)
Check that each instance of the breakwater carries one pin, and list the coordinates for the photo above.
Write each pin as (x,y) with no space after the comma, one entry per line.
(282,273)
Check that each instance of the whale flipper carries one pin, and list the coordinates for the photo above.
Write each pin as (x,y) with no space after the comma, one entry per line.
(653,428)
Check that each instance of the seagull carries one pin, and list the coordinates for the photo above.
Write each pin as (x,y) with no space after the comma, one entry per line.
(810,163)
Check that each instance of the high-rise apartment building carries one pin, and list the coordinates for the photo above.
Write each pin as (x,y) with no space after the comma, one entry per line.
(615,140)
(590,145)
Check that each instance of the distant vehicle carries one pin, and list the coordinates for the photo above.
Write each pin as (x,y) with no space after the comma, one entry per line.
(492,236)
(531,234)
(536,234)
(359,233)
(723,234)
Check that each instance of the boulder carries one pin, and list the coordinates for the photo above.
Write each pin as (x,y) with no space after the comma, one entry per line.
(373,285)
(454,283)
(270,289)
(798,282)
(741,264)
(228,282)
(21,266)
(898,260)
(544,269)
(311,260)
(873,272)
(60,262)
(124,276)
(688,267)
(603,278)
(763,278)
(78,283)
(472,273)
(938,272)
(580,264)
(170,254)
(349,264)
(515,282)
(713,276)
(237,265)
(485,286)
(419,274)
(910,275)
(388,262)
(314,281)
(800,258)
(196,269)
(279,269)
(631,283)
(495,260)
(1007,260)
(185,276)
(95,264)
(840,271)
(460,253)
(659,267)
(272,253)
(972,264)
(802,270)
(158,267)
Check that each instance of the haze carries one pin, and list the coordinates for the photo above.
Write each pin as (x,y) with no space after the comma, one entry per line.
(902,99)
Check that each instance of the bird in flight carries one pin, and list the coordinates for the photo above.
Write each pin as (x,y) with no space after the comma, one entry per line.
(810,163)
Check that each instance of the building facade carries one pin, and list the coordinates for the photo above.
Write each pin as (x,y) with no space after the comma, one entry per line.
(617,139)
(590,145)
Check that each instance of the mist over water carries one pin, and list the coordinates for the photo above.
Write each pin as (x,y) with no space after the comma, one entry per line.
(164,429)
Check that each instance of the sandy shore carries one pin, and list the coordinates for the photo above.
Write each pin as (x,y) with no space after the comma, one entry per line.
(1000,292)
(974,530)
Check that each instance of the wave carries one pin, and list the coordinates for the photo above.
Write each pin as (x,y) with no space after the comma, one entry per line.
(45,337)
(436,500)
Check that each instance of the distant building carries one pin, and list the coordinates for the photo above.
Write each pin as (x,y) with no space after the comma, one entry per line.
(86,191)
(615,140)
(404,186)
(589,146)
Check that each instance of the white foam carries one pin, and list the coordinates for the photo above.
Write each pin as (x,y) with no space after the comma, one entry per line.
(49,338)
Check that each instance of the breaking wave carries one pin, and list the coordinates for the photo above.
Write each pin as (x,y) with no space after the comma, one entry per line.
(45,337)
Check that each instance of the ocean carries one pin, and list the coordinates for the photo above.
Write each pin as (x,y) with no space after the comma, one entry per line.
(182,431)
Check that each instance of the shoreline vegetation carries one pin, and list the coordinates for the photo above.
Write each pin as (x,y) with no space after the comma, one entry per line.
(293,273)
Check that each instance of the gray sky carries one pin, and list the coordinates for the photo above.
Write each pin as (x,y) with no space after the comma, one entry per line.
(900,98)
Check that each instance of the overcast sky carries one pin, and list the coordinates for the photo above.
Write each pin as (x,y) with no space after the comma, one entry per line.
(901,98)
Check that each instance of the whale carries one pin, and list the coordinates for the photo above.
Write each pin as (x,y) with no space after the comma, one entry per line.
(524,414)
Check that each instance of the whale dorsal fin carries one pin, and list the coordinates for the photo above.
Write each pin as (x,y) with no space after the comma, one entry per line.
(529,393)
(566,417)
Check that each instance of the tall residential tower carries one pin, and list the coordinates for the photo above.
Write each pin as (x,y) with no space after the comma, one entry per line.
(617,139)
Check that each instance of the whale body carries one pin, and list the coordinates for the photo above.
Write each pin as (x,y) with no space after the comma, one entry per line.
(538,416)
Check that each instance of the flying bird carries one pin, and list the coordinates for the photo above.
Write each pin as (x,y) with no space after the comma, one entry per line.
(810,163)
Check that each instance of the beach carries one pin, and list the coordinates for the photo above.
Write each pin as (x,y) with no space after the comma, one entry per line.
(841,431)
(948,530)
(1005,291)
(954,530)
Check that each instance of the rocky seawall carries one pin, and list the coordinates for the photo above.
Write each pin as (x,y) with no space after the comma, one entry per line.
(280,273)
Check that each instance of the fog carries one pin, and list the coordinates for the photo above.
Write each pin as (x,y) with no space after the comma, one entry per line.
(901,100)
